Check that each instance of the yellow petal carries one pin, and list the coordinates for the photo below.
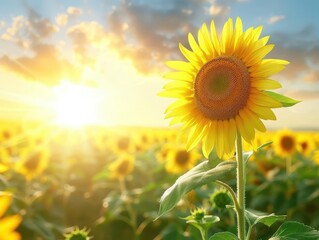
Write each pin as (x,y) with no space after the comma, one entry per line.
(232,135)
(238,32)
(258,55)
(215,40)
(262,112)
(175,104)
(180,76)
(265,84)
(226,133)
(9,223)
(267,68)
(256,33)
(248,126)
(190,56)
(180,111)
(5,201)
(219,139)
(205,42)
(177,85)
(209,140)
(181,66)
(261,99)
(196,49)
(195,135)
(227,34)
(255,121)
(13,236)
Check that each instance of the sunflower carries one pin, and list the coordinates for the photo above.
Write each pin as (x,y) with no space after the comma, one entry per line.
(220,90)
(285,143)
(32,162)
(162,153)
(123,166)
(316,157)
(179,160)
(8,224)
(306,144)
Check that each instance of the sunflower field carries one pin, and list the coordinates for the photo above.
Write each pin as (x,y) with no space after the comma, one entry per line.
(106,183)
(148,120)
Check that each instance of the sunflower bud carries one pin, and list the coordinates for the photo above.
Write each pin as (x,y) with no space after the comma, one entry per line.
(220,199)
(78,234)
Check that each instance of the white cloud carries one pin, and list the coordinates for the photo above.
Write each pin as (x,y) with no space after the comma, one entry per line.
(2,24)
(215,10)
(74,11)
(62,19)
(275,19)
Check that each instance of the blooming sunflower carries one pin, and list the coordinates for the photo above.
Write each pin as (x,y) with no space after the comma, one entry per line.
(285,143)
(220,90)
(179,160)
(316,156)
(33,162)
(123,166)
(306,144)
(8,224)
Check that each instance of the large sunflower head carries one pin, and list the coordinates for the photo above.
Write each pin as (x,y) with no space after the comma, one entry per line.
(220,89)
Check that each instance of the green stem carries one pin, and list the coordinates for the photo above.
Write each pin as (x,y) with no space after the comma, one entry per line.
(203,233)
(232,193)
(240,188)
(288,165)
(249,232)
(130,210)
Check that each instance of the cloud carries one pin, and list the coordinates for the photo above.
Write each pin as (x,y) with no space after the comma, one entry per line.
(62,19)
(301,49)
(39,60)
(2,24)
(84,36)
(74,11)
(71,12)
(149,34)
(275,19)
(45,66)
(218,10)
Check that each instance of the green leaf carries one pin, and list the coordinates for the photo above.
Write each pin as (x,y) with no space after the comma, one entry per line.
(268,220)
(295,231)
(247,155)
(224,236)
(196,177)
(285,101)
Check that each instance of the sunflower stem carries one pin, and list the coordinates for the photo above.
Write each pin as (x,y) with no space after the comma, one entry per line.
(240,189)
(288,165)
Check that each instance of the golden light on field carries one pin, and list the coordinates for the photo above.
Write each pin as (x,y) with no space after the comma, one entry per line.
(76,105)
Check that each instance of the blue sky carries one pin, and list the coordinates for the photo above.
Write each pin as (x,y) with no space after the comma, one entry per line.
(45,42)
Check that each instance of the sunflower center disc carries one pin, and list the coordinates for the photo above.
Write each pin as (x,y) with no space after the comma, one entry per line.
(222,88)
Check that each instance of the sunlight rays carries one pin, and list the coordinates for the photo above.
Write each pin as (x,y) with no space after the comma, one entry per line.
(76,105)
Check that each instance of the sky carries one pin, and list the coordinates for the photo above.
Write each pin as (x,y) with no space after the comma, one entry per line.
(120,48)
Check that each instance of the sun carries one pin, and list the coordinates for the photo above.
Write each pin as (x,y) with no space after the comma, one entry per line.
(76,105)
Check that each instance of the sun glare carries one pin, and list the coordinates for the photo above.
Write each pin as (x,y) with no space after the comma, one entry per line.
(76,105)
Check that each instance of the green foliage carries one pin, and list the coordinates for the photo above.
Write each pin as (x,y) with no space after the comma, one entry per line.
(224,236)
(285,101)
(267,220)
(295,231)
(194,178)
